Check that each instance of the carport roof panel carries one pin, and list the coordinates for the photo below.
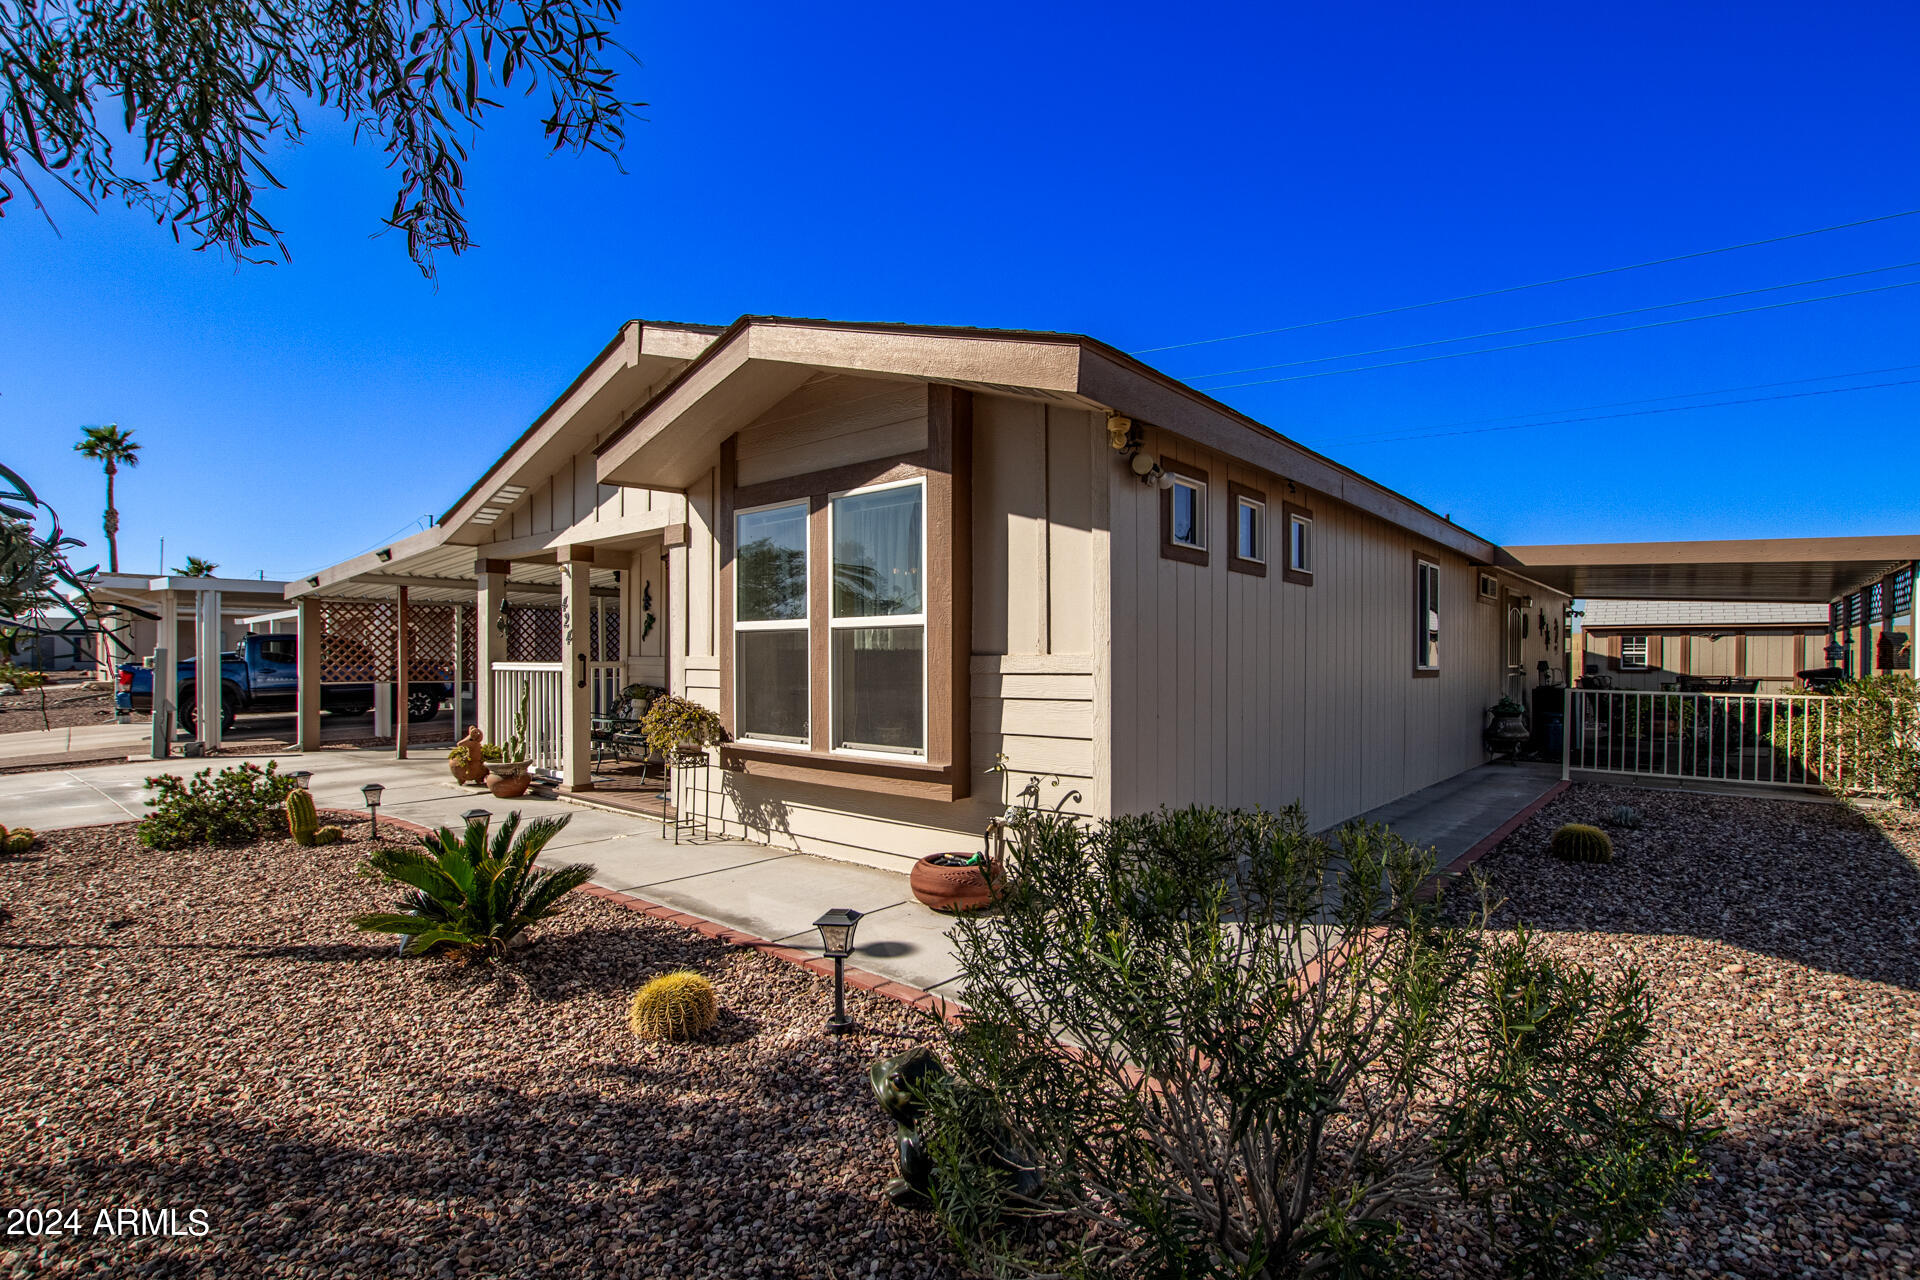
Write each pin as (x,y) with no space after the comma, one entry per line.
(1784,570)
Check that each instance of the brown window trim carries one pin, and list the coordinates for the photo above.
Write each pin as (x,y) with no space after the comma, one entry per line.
(1169,549)
(1298,577)
(1482,596)
(1421,558)
(947,465)
(1235,562)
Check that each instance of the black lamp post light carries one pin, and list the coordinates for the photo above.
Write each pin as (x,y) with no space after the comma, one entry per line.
(371,794)
(302,778)
(836,942)
(481,816)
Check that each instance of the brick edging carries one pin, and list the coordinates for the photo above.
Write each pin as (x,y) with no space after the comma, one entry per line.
(893,989)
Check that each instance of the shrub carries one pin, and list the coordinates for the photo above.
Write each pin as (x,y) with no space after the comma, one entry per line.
(1872,737)
(672,722)
(466,896)
(235,806)
(1240,1051)
(1625,817)
(674,1006)
(1578,842)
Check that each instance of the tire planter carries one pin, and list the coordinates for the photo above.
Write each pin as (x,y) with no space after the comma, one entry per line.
(966,888)
(509,781)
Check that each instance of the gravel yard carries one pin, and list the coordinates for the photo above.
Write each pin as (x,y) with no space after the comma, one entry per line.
(202,1030)
(1782,941)
(68,705)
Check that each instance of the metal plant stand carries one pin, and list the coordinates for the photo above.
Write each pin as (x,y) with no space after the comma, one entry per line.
(692,803)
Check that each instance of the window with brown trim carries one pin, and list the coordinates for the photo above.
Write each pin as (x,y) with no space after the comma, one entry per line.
(1183,513)
(1633,653)
(1489,589)
(1247,550)
(1426,616)
(1297,564)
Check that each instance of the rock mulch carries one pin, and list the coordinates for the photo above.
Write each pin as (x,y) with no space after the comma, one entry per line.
(203,1031)
(1782,944)
(69,706)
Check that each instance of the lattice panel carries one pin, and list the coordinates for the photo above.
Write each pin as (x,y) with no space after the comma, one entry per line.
(432,627)
(604,617)
(470,643)
(356,640)
(533,633)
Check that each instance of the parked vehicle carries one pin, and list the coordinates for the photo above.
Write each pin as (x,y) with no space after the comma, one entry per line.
(262,675)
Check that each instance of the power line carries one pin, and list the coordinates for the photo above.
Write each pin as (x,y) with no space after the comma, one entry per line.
(1446,428)
(1538,284)
(1556,324)
(1571,337)
(1642,413)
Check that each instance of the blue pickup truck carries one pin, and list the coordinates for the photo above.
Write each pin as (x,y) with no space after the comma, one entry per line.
(261,676)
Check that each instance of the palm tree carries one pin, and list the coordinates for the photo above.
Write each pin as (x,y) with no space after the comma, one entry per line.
(113,449)
(195,567)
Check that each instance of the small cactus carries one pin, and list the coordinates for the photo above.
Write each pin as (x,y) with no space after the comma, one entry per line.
(1578,842)
(675,1006)
(328,835)
(302,820)
(17,839)
(1625,817)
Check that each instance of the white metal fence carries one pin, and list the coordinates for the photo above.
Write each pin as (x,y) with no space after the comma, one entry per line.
(1764,739)
(607,679)
(539,689)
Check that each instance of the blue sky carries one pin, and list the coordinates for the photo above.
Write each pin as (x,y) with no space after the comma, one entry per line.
(1146,175)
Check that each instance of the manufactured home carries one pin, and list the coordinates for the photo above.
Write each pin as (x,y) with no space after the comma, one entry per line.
(914,569)
(1673,644)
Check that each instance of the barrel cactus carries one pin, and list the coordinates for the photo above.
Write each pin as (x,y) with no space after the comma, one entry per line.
(1578,842)
(303,821)
(17,839)
(674,1006)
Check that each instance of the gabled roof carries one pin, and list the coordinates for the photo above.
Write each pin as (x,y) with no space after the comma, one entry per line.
(758,360)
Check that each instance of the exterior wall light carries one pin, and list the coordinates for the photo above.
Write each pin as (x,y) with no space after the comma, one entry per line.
(371,794)
(1143,466)
(383,555)
(836,942)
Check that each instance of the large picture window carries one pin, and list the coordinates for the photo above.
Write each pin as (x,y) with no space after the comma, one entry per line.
(879,620)
(770,663)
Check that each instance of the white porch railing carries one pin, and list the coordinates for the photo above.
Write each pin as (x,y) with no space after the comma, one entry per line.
(540,688)
(606,679)
(1762,739)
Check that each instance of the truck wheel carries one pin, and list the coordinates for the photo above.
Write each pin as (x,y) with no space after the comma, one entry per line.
(422,706)
(189,710)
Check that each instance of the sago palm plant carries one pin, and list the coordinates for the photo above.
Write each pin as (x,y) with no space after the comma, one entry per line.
(468,896)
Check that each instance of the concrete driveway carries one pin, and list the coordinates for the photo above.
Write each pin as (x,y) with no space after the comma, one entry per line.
(769,892)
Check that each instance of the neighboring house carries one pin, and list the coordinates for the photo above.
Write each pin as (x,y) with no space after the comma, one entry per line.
(1653,644)
(891,556)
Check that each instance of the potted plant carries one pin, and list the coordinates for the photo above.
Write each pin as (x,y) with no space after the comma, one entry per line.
(508,777)
(970,881)
(676,725)
(470,756)
(1506,728)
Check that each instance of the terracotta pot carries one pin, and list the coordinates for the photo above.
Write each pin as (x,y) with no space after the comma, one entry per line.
(954,888)
(467,774)
(509,779)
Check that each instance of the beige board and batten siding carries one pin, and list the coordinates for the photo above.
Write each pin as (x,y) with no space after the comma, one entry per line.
(1039,585)
(1237,690)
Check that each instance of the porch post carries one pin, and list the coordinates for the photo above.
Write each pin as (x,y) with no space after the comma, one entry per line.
(306,674)
(576,692)
(166,674)
(206,667)
(402,657)
(490,642)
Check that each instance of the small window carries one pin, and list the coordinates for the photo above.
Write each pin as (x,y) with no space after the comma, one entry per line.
(1489,588)
(1250,530)
(1248,554)
(1183,513)
(1298,561)
(1189,514)
(1426,618)
(1633,653)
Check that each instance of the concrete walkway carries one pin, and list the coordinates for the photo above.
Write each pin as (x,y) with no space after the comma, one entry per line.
(1455,815)
(774,894)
